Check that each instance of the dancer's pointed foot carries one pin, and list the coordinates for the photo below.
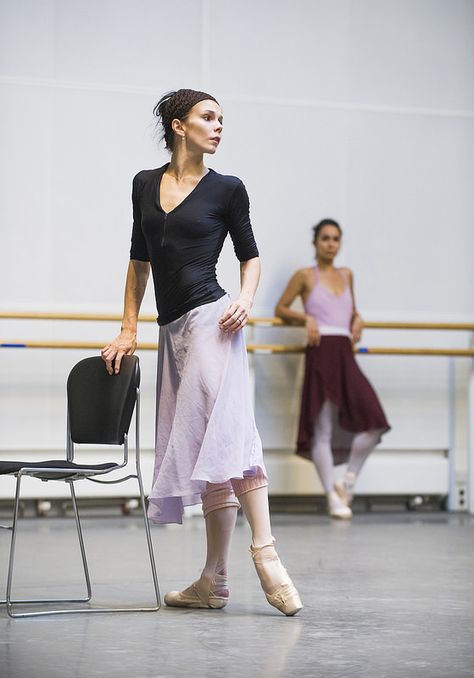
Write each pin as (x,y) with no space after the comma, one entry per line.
(337,507)
(203,593)
(276,583)
(345,487)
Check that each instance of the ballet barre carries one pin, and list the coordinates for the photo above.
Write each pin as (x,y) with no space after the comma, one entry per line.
(257,321)
(258,349)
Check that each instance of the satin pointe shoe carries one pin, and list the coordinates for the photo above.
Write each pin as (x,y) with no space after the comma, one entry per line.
(195,596)
(345,487)
(283,595)
(337,508)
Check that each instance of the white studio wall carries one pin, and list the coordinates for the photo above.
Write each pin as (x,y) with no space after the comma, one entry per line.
(361,110)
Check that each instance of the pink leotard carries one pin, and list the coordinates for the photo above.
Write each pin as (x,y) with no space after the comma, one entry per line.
(332,312)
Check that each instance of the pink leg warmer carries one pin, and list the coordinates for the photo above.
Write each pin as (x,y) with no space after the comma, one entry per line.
(244,485)
(218,496)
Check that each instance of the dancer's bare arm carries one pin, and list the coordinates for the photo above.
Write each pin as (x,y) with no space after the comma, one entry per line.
(126,342)
(357,323)
(298,286)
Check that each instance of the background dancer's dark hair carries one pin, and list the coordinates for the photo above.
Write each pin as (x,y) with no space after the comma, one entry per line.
(176,105)
(324,222)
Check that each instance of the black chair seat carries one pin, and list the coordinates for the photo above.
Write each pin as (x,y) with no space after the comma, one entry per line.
(12,467)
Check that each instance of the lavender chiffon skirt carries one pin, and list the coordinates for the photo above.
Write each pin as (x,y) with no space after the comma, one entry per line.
(205,426)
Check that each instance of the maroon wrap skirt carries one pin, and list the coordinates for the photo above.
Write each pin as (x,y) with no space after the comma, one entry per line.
(332,373)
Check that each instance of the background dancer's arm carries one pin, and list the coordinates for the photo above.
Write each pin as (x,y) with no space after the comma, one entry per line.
(298,287)
(126,342)
(357,323)
(237,313)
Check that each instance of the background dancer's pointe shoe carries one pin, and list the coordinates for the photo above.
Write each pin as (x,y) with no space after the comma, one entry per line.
(215,595)
(345,487)
(276,583)
(337,507)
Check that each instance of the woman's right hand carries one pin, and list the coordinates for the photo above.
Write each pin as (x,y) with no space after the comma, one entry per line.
(312,331)
(112,354)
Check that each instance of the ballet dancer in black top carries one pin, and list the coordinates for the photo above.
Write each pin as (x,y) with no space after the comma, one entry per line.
(207,445)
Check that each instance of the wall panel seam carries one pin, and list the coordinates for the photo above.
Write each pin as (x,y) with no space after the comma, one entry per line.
(264,100)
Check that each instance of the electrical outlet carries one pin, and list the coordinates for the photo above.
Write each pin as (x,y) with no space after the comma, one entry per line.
(461,498)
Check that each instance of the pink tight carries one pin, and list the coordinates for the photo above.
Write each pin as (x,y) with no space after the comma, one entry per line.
(224,495)
(362,445)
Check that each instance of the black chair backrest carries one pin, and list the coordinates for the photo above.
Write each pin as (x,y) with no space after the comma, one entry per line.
(100,405)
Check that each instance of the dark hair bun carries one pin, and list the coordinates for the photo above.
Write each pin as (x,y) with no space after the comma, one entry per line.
(177,105)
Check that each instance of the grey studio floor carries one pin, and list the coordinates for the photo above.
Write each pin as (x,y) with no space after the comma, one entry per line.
(390,594)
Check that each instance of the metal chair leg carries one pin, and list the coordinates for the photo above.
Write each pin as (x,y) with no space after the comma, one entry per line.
(9,602)
(149,544)
(12,547)
(81,542)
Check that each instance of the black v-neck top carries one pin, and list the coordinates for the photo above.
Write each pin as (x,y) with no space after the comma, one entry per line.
(183,245)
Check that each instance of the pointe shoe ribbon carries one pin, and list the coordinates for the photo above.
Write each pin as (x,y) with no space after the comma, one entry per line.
(283,595)
(217,595)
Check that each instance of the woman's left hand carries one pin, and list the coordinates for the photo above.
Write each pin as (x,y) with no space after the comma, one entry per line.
(356,328)
(235,316)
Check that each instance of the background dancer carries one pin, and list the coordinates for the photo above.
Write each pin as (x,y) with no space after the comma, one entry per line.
(207,444)
(341,419)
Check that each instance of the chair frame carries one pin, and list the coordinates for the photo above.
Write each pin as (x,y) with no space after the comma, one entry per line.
(79,474)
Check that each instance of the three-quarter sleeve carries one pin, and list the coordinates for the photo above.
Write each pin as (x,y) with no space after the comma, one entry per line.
(240,228)
(138,249)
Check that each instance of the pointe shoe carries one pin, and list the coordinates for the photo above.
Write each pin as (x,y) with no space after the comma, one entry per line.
(216,597)
(284,595)
(345,487)
(337,507)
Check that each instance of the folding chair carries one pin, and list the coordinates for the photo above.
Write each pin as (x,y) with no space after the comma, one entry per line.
(100,408)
